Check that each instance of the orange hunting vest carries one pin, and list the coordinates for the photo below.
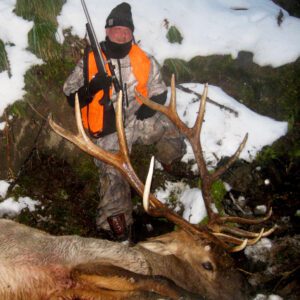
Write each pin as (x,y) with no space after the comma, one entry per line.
(93,116)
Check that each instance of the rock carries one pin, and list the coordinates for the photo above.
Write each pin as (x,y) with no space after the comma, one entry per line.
(260,210)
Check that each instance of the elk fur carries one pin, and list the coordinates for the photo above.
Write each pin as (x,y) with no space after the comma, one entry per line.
(36,265)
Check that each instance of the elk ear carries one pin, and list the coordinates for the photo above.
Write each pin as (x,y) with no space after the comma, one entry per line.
(163,245)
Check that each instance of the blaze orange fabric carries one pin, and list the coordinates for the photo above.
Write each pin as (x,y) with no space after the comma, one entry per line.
(93,113)
(141,66)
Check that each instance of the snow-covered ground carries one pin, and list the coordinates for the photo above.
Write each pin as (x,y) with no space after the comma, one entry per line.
(208,27)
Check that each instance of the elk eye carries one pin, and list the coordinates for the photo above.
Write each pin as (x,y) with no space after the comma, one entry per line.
(207,266)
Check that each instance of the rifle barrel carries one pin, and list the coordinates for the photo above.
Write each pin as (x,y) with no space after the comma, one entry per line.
(93,34)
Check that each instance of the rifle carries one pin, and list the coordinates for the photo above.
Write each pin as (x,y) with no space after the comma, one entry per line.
(109,112)
(96,49)
(94,42)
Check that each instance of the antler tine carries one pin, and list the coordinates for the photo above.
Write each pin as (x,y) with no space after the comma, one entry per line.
(78,120)
(244,233)
(242,243)
(194,138)
(120,129)
(240,220)
(198,124)
(170,110)
(173,104)
(240,247)
(231,160)
(148,185)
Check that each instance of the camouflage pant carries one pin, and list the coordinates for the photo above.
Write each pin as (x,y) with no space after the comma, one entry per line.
(114,190)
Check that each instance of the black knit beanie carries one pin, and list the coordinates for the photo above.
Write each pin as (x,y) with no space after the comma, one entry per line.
(120,16)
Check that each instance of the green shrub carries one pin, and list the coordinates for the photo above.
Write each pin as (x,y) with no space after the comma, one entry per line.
(174,35)
(42,41)
(43,9)
(4,63)
(218,192)
(178,67)
(41,38)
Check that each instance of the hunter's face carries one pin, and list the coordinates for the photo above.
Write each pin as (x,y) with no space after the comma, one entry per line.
(119,34)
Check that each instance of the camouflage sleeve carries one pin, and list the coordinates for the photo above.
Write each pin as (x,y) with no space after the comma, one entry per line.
(75,80)
(156,85)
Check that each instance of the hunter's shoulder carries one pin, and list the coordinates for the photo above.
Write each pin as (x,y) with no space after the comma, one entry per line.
(149,55)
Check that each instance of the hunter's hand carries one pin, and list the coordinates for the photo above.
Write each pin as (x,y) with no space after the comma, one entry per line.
(99,82)
(145,112)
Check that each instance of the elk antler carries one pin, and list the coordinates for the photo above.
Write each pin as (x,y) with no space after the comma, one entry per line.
(121,161)
(216,224)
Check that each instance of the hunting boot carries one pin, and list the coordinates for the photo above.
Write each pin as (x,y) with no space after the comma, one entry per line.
(118,227)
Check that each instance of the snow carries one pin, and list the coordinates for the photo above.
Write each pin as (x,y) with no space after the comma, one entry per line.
(11,207)
(260,251)
(194,208)
(13,33)
(267,297)
(4,185)
(208,27)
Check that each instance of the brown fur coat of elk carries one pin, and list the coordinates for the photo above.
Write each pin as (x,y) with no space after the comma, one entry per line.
(192,262)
